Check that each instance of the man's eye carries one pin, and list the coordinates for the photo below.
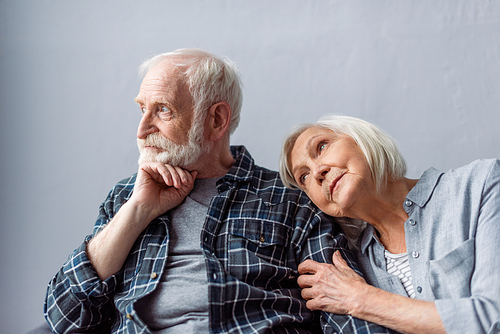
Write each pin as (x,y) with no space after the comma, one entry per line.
(164,109)
(143,110)
(321,147)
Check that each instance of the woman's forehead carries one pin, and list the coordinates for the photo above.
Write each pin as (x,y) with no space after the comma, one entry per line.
(299,152)
(308,135)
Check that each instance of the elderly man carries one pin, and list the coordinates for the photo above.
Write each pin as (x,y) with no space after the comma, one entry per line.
(200,239)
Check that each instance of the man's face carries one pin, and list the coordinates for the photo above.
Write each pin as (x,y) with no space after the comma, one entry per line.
(165,133)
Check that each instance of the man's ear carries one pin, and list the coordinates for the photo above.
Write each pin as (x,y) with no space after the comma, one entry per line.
(219,118)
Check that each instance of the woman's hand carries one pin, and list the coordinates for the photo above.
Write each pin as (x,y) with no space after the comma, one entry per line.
(338,289)
(332,288)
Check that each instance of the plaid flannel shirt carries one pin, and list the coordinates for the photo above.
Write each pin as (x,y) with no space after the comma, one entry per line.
(255,235)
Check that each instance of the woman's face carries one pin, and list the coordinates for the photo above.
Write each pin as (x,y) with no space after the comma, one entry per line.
(332,170)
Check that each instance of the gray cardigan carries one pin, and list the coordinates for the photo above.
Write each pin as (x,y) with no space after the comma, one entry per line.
(453,245)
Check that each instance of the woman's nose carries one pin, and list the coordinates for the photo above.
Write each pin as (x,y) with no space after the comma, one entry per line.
(320,172)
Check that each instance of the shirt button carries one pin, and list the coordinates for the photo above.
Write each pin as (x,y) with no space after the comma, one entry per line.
(206,239)
(214,276)
(261,238)
(412,222)
(408,202)
(419,289)
(154,275)
(415,254)
(129,316)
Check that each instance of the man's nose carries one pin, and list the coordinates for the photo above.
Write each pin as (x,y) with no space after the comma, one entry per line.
(146,125)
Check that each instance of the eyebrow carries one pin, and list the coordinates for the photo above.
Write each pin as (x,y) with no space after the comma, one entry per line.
(308,150)
(158,100)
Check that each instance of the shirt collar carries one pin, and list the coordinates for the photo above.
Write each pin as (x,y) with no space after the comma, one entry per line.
(242,169)
(419,194)
(422,191)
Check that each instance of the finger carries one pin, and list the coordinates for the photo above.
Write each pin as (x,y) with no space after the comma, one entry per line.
(151,171)
(308,267)
(174,174)
(165,174)
(307,293)
(338,261)
(312,305)
(182,177)
(305,281)
(188,177)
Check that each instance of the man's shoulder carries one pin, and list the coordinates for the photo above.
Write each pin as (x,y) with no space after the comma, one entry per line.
(268,183)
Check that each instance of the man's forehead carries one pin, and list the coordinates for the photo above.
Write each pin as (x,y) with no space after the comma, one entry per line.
(161,85)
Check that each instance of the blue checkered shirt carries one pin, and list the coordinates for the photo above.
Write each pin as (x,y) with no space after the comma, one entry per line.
(256,233)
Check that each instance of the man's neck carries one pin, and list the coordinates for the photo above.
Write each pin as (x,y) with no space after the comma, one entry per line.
(214,164)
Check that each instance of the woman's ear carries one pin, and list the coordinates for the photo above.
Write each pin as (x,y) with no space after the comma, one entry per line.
(219,118)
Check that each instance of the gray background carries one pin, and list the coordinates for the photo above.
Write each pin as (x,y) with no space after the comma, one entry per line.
(427,72)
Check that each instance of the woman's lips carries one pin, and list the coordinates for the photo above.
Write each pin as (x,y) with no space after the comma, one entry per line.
(334,184)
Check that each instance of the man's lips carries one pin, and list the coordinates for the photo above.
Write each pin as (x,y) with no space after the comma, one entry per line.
(335,182)
(153,148)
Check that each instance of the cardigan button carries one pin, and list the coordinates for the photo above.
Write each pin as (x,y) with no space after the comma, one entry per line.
(129,316)
(153,275)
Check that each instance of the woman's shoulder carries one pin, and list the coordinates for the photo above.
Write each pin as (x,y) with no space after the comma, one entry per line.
(476,170)
(482,164)
(466,183)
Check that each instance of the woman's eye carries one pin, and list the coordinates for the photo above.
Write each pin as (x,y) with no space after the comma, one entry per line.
(303,178)
(143,110)
(321,147)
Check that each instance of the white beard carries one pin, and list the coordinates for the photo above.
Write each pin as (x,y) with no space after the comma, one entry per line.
(173,154)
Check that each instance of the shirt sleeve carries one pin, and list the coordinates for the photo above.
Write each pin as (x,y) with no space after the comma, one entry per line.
(325,238)
(480,313)
(76,298)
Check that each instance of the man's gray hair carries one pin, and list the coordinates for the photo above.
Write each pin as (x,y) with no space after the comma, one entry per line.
(381,150)
(210,80)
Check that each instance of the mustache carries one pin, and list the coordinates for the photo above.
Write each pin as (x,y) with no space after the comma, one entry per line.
(155,140)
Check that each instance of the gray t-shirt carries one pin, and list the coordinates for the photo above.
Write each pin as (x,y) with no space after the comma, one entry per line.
(180,302)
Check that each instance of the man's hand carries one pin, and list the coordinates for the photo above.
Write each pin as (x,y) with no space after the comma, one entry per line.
(160,188)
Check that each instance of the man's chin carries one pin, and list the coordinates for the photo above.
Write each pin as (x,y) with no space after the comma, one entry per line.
(145,158)
(163,159)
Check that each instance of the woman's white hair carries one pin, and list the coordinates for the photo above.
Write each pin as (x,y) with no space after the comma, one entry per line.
(210,80)
(381,151)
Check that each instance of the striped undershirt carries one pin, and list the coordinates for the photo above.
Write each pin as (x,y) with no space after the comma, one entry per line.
(398,265)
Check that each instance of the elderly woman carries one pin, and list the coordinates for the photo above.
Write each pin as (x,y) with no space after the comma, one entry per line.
(430,249)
